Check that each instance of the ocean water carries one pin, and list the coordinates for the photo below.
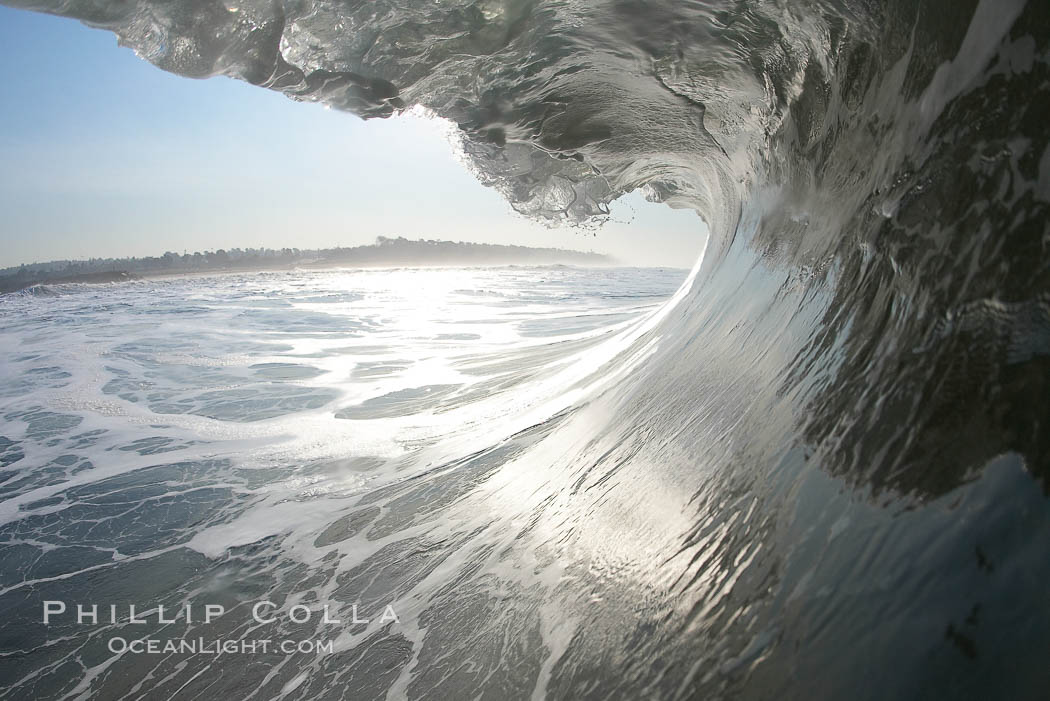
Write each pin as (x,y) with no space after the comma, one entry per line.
(202,439)
(818,470)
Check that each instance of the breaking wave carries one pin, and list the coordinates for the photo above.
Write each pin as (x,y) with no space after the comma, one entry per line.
(819,470)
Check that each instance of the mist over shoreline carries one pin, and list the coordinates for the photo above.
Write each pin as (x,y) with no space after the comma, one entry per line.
(385,252)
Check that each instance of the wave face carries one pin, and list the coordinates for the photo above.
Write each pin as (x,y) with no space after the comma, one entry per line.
(820,471)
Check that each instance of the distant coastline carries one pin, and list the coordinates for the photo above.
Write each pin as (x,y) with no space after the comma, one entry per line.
(385,252)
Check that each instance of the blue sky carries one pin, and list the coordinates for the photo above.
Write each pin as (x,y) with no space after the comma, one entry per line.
(102,154)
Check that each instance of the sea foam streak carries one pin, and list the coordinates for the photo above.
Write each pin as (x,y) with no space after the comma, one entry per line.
(818,473)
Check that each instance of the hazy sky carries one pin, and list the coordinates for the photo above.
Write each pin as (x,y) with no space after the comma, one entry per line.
(101,154)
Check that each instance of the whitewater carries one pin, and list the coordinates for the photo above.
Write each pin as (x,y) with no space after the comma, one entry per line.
(815,470)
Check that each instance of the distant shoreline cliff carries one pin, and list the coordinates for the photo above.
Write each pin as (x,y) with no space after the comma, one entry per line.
(385,252)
